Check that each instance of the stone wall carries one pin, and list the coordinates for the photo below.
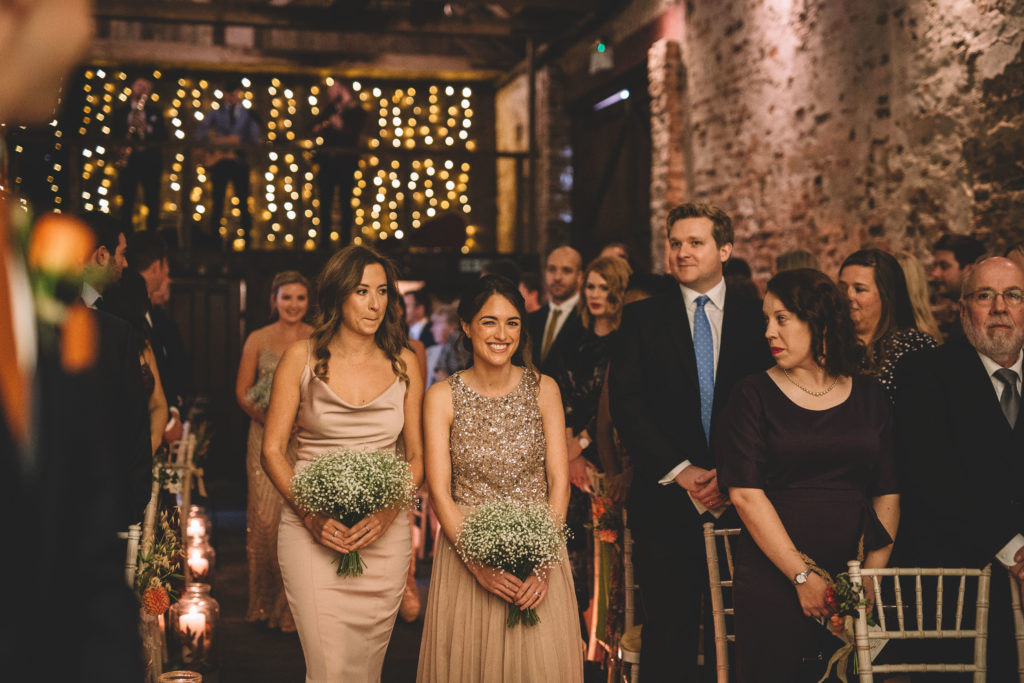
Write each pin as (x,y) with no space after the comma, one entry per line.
(827,125)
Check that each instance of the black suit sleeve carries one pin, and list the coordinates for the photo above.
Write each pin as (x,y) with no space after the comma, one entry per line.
(627,389)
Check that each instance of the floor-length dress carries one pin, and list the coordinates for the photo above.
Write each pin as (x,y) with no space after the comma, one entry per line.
(267,601)
(344,623)
(498,452)
(820,469)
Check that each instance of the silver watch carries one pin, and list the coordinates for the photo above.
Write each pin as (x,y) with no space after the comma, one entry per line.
(801,578)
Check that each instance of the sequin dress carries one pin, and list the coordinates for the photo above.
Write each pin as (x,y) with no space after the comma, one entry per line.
(267,601)
(498,452)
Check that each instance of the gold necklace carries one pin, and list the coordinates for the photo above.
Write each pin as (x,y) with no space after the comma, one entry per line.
(805,389)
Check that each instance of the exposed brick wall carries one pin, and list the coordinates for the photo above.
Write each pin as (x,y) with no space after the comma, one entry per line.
(668,139)
(826,125)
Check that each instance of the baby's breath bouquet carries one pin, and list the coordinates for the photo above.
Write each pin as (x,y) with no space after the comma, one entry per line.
(259,393)
(348,485)
(515,538)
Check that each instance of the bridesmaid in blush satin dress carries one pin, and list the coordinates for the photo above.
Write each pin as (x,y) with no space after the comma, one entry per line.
(354,385)
(289,302)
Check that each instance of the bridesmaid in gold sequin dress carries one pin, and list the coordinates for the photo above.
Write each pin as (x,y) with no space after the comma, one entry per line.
(496,432)
(289,303)
(354,385)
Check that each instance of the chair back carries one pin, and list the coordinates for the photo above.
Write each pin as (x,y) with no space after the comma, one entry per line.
(1018,624)
(713,540)
(131,561)
(881,578)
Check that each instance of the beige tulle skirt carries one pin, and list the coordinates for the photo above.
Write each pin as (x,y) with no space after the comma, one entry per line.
(465,639)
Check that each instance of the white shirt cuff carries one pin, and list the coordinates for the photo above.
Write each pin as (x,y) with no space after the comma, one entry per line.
(671,476)
(1009,550)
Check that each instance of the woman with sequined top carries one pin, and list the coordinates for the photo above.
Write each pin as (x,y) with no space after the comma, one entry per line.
(496,432)
(882,313)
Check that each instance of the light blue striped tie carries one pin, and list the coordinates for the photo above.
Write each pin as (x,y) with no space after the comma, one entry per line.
(703,346)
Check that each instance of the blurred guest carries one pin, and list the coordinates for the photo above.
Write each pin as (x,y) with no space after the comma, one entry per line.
(1016,254)
(453,357)
(917,289)
(645,285)
(107,261)
(555,326)
(228,128)
(805,454)
(337,130)
(796,258)
(677,356)
(289,304)
(128,301)
(529,287)
(952,253)
(617,249)
(138,128)
(580,381)
(740,279)
(882,313)
(51,440)
(417,305)
(959,434)
(444,322)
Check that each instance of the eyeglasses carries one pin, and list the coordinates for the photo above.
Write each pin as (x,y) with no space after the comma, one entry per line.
(987,297)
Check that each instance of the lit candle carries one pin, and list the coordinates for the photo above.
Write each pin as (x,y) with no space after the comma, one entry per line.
(198,564)
(193,623)
(196,528)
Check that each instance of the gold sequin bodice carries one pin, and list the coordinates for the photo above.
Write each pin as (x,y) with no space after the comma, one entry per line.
(497,444)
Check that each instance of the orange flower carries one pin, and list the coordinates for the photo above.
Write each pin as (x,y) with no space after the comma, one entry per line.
(599,508)
(79,338)
(60,244)
(607,535)
(155,600)
(837,624)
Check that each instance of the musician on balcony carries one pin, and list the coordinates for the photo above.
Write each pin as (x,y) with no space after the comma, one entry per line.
(139,129)
(229,127)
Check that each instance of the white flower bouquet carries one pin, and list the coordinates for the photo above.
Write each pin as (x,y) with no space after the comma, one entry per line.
(515,538)
(259,393)
(348,485)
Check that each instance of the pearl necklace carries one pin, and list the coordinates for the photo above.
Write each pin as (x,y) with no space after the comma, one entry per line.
(805,389)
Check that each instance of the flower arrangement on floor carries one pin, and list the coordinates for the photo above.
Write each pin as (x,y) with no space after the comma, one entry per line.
(348,485)
(519,539)
(159,575)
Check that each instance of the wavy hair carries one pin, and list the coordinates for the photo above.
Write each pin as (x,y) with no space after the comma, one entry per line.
(813,298)
(616,272)
(897,310)
(339,278)
(475,298)
(288,277)
(917,289)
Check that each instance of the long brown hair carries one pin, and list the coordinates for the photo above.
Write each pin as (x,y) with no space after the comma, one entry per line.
(616,272)
(339,278)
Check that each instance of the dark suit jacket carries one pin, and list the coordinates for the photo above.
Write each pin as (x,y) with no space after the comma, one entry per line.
(124,408)
(565,342)
(171,358)
(655,397)
(961,465)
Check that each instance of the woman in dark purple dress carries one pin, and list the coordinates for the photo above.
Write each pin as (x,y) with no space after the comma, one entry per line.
(806,455)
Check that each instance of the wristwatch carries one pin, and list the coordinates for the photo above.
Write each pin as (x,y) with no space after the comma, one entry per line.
(584,442)
(801,578)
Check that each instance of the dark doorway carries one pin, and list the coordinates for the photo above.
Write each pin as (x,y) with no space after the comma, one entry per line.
(611,144)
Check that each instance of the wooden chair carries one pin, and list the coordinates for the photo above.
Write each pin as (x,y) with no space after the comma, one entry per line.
(131,561)
(1018,624)
(629,644)
(712,538)
(899,630)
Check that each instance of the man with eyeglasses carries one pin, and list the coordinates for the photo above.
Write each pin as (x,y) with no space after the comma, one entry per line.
(960,445)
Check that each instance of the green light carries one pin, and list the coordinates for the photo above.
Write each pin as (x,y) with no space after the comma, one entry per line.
(601,47)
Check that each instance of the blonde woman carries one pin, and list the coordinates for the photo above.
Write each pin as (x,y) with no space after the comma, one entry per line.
(289,304)
(917,288)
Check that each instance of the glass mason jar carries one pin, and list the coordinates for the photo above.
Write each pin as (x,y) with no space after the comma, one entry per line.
(195,622)
(198,524)
(180,677)
(200,556)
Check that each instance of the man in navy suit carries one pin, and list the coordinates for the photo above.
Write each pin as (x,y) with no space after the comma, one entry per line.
(960,442)
(679,355)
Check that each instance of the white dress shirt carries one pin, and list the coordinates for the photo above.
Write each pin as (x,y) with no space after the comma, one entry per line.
(1017,542)
(90,295)
(564,309)
(416,329)
(714,309)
